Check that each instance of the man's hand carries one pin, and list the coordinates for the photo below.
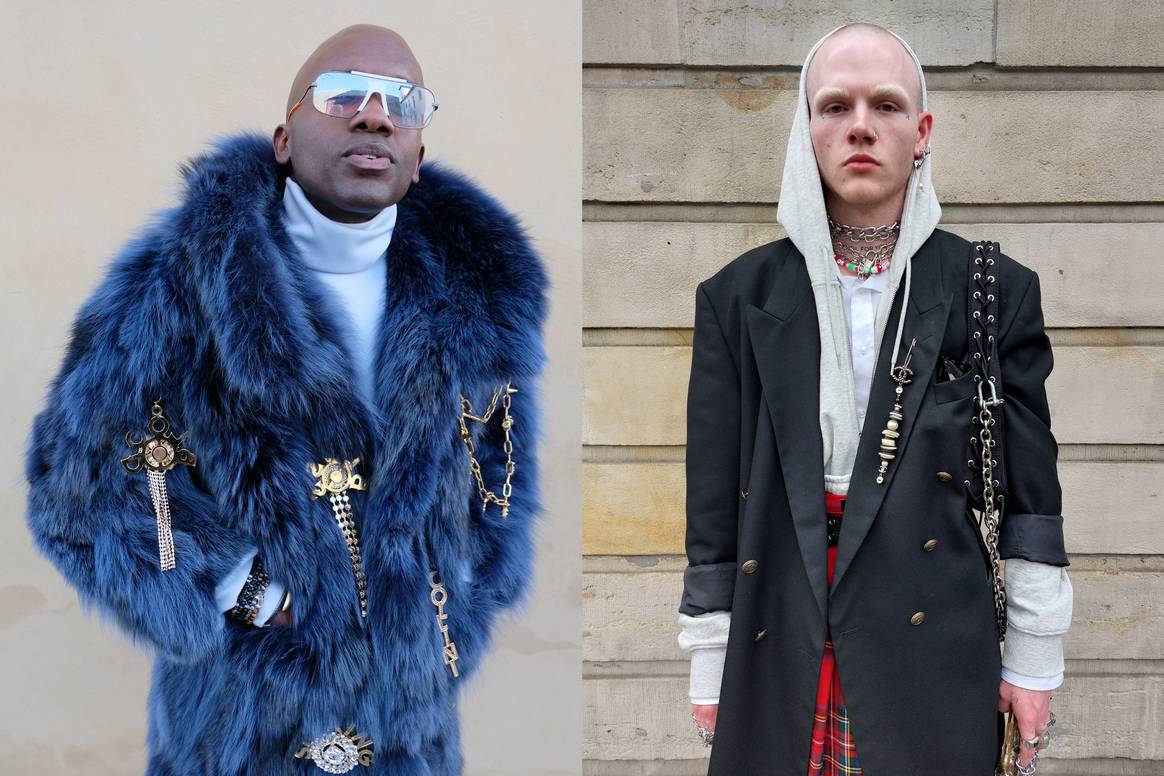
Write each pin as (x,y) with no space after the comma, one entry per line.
(705,714)
(1032,710)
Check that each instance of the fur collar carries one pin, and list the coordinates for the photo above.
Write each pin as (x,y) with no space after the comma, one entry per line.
(462,260)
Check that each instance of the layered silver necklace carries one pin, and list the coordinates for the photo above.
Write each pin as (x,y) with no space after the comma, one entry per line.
(865,250)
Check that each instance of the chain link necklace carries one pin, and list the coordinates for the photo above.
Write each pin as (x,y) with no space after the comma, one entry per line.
(861,250)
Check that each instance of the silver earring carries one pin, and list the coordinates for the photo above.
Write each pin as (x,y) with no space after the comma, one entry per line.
(917,163)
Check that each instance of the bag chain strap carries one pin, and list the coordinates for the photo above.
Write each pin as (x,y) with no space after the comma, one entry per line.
(983,323)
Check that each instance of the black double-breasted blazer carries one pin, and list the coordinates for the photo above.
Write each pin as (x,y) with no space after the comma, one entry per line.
(921,691)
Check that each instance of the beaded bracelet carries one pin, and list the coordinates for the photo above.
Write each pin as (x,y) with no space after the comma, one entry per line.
(250,599)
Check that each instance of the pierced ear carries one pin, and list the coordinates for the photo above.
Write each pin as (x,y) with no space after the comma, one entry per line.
(281,143)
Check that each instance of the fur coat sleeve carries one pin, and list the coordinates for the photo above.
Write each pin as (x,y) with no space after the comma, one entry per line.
(92,518)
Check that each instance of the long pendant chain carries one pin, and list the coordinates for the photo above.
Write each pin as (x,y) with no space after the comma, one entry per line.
(161,499)
(156,454)
(336,479)
(341,506)
(891,433)
(507,423)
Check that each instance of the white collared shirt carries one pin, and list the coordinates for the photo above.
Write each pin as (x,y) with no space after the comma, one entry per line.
(861,300)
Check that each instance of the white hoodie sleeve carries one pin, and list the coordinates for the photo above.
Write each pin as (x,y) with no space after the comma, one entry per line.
(1038,612)
(705,637)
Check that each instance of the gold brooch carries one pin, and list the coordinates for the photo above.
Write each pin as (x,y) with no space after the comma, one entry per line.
(335,477)
(156,454)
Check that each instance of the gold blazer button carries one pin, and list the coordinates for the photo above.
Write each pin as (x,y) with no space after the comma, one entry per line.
(750,566)
(945,476)
(918,618)
(930,545)
(760,636)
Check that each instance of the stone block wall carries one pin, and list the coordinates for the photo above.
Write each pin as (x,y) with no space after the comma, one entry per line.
(1048,117)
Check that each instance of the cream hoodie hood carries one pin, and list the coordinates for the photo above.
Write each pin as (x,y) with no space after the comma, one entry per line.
(802,214)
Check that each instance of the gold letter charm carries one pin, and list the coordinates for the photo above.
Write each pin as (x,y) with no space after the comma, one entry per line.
(336,479)
(157,454)
(439,596)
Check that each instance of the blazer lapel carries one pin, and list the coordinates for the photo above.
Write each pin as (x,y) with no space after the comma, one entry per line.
(786,345)
(925,321)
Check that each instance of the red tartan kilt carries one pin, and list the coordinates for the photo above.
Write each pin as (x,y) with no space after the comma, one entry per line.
(833,751)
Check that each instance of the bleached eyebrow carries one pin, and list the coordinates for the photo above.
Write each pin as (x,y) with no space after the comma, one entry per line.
(889,92)
(830,93)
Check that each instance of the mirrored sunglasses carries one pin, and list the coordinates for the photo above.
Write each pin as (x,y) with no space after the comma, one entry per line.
(343,95)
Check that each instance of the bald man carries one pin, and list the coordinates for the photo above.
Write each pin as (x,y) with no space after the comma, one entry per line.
(840,601)
(291,448)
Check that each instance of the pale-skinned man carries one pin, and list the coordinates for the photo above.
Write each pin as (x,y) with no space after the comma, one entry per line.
(873,627)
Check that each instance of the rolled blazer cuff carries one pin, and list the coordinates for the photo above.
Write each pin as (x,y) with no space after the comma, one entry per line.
(1037,538)
(708,588)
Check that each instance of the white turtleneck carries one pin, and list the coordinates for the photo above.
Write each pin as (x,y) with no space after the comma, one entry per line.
(350,262)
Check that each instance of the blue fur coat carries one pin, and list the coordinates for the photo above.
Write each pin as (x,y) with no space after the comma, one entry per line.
(211,310)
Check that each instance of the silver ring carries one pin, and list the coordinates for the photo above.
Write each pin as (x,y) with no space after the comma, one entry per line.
(705,735)
(1026,770)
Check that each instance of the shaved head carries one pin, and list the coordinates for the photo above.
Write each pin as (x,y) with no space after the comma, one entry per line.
(875,42)
(355,44)
(351,169)
(864,98)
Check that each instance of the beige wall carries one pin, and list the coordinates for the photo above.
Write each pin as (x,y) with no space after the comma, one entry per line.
(1047,138)
(101,103)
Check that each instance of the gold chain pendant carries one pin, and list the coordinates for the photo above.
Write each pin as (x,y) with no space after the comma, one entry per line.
(507,423)
(891,433)
(335,479)
(156,454)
